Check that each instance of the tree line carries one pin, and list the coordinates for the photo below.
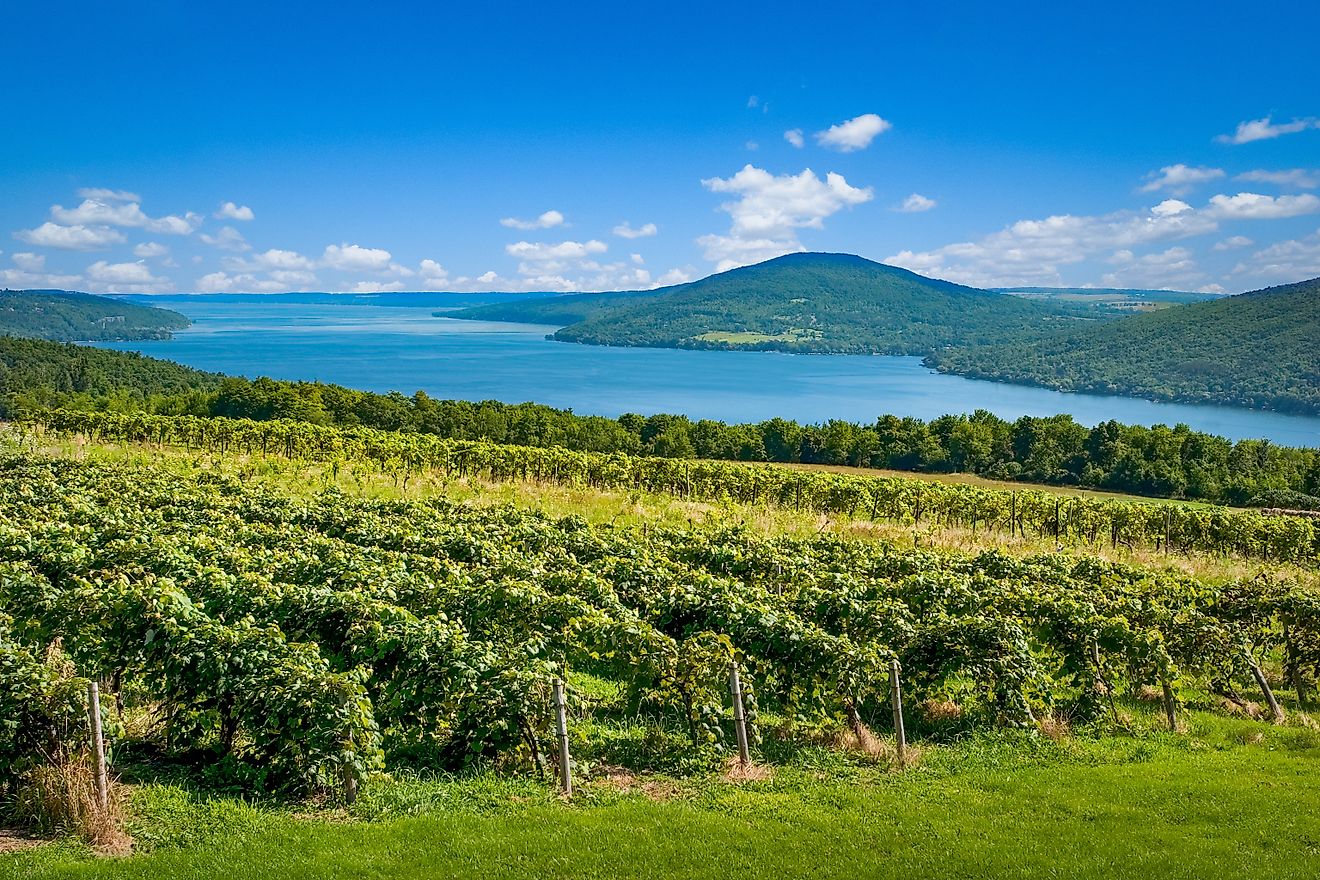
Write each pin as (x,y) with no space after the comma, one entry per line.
(1159,461)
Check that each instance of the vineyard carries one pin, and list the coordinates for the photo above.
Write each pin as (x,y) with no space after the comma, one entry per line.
(1074,521)
(300,643)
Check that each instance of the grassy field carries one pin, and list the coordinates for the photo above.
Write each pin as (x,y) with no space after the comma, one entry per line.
(1227,798)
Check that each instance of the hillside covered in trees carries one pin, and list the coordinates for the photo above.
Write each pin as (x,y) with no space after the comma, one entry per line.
(1258,349)
(82,317)
(822,303)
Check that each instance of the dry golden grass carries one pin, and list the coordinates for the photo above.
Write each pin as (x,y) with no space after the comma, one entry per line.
(736,771)
(62,799)
(1054,727)
(939,711)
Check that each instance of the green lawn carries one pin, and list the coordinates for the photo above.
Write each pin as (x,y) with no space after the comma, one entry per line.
(1217,802)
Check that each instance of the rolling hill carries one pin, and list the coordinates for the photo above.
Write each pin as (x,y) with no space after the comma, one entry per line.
(823,303)
(82,317)
(1258,349)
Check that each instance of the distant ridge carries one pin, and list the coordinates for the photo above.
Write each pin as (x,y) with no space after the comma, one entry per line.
(808,302)
(1259,349)
(65,316)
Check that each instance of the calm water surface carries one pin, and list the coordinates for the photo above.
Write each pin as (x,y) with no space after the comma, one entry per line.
(389,348)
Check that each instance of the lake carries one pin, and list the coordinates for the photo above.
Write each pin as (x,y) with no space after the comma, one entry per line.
(390,347)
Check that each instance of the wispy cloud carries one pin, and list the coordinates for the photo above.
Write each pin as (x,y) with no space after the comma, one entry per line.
(548,220)
(1266,129)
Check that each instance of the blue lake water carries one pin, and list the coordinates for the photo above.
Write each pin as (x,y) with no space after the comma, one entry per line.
(394,348)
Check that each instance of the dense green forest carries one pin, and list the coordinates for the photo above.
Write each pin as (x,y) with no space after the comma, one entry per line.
(824,303)
(1158,461)
(1258,349)
(71,317)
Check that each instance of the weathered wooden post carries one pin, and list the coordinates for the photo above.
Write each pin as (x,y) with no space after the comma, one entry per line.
(1275,709)
(561,728)
(739,716)
(349,774)
(98,745)
(896,697)
(1170,705)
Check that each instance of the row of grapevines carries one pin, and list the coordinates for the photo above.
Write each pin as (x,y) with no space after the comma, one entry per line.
(1076,521)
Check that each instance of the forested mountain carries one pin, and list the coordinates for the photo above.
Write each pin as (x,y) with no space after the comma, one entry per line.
(829,303)
(69,317)
(1258,349)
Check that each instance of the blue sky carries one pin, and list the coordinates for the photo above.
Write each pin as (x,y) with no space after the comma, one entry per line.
(594,146)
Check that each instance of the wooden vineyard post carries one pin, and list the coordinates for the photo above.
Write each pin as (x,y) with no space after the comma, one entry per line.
(896,697)
(1170,705)
(1275,709)
(739,716)
(350,786)
(561,729)
(98,745)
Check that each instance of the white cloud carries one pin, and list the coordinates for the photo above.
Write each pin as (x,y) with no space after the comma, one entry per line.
(112,212)
(637,259)
(293,277)
(770,205)
(376,287)
(768,210)
(1032,251)
(31,274)
(227,239)
(124,277)
(222,282)
(1180,179)
(730,251)
(1233,242)
(353,258)
(1170,208)
(916,203)
(433,275)
(794,137)
(548,220)
(1266,129)
(1173,268)
(71,238)
(624,230)
(1300,178)
(148,249)
(113,195)
(1254,206)
(1285,261)
(565,250)
(855,134)
(673,276)
(280,259)
(231,211)
(753,102)
(215,282)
